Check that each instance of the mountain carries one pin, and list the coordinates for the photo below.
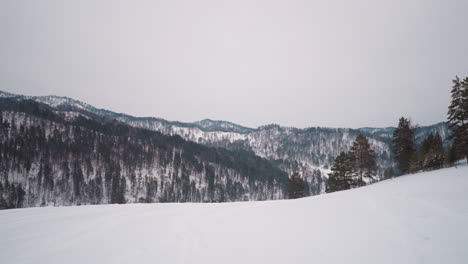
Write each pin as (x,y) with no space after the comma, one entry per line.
(309,151)
(68,104)
(50,157)
(224,126)
(417,218)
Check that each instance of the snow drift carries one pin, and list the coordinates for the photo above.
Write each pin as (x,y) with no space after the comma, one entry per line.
(417,218)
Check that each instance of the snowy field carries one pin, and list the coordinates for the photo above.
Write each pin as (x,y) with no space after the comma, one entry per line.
(421,218)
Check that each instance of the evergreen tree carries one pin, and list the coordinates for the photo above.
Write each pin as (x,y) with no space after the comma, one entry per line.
(416,162)
(3,203)
(296,187)
(458,116)
(403,145)
(362,160)
(432,152)
(430,155)
(452,156)
(78,178)
(389,173)
(340,176)
(427,144)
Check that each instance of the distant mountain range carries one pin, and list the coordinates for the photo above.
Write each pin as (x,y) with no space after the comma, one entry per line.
(309,151)
(68,104)
(205,125)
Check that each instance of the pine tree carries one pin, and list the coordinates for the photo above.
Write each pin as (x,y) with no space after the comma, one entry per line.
(426,144)
(458,116)
(455,112)
(432,152)
(340,176)
(296,186)
(435,157)
(389,173)
(362,160)
(416,162)
(403,145)
(452,156)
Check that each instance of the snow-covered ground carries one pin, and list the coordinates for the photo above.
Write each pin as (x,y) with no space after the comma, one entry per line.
(419,218)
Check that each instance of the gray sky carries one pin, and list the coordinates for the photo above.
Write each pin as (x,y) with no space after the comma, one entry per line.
(296,63)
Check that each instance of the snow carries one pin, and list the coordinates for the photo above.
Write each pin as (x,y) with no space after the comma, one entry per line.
(418,218)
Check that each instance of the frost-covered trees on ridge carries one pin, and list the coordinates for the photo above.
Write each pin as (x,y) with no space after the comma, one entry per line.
(46,159)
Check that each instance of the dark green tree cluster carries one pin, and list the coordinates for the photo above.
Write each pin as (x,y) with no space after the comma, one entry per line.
(458,118)
(362,159)
(430,155)
(432,152)
(340,177)
(403,145)
(389,173)
(352,169)
(296,186)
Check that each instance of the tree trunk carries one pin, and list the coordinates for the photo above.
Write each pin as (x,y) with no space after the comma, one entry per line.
(361,183)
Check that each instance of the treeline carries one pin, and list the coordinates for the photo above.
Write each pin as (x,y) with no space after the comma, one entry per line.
(350,169)
(431,154)
(409,156)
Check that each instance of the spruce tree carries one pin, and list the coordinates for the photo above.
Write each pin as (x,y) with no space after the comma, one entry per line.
(451,156)
(455,112)
(340,176)
(427,144)
(389,173)
(296,186)
(436,155)
(403,145)
(432,153)
(416,162)
(362,160)
(458,116)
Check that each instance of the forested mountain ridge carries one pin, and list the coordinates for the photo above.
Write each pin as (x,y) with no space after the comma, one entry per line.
(51,158)
(309,151)
(421,132)
(68,104)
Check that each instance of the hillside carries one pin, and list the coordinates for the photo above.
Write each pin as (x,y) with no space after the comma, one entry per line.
(418,218)
(309,151)
(54,158)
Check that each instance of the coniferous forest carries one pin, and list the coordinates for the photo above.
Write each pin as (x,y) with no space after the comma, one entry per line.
(408,155)
(52,156)
(48,160)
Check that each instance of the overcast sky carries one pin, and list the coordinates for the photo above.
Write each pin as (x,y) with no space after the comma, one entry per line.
(295,63)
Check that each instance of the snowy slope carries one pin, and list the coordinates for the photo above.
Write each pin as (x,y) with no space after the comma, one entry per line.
(48,159)
(418,218)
